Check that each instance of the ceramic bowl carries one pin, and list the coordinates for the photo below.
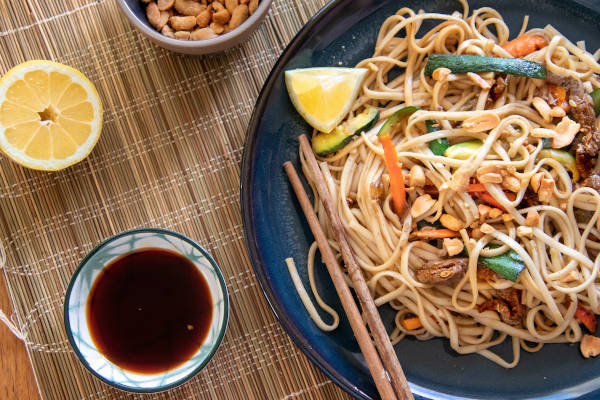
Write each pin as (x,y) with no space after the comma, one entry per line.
(135,11)
(76,324)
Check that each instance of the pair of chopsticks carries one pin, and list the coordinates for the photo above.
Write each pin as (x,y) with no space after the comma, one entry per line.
(398,387)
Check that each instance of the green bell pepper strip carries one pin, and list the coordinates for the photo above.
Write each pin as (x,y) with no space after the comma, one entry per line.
(463,63)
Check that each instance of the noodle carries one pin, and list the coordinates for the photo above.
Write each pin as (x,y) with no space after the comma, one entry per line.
(559,253)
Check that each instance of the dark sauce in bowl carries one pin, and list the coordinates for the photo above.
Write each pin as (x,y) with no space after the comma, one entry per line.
(149,310)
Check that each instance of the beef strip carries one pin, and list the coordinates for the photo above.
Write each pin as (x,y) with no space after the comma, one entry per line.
(507,303)
(444,271)
(587,143)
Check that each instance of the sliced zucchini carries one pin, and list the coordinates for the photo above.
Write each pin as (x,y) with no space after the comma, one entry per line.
(390,123)
(464,150)
(437,146)
(327,143)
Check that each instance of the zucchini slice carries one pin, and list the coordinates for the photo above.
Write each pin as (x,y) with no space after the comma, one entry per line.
(463,63)
(327,143)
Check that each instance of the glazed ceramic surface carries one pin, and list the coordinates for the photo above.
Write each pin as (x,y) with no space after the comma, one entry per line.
(343,33)
(135,11)
(77,295)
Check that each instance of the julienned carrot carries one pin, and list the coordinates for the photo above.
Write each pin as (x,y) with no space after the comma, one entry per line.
(485,196)
(411,323)
(435,233)
(586,317)
(525,44)
(395,171)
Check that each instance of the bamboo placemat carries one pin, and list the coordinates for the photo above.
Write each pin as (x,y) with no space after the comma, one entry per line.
(169,156)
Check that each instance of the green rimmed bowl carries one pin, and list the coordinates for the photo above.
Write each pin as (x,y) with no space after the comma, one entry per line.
(76,324)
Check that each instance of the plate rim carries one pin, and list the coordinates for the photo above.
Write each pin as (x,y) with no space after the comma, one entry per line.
(248,160)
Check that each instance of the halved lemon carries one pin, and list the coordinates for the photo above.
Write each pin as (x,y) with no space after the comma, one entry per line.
(324,96)
(50,115)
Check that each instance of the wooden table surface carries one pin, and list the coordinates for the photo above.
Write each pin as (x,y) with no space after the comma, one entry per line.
(16,376)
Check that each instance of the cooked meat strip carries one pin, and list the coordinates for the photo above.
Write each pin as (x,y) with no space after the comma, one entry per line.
(507,303)
(444,271)
(587,143)
(487,274)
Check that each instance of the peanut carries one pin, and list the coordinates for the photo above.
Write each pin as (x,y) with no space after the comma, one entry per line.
(495,213)
(484,211)
(221,17)
(167,31)
(481,123)
(546,190)
(182,35)
(416,177)
(182,23)
(239,15)
(252,6)
(511,183)
(217,6)
(535,181)
(189,7)
(525,231)
(453,246)
(532,219)
(217,28)
(164,5)
(153,14)
(566,131)
(203,19)
(231,5)
(244,1)
(451,222)
(421,204)
(203,33)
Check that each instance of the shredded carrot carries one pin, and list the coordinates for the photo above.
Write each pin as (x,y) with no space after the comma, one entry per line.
(395,171)
(524,45)
(586,317)
(435,233)
(558,97)
(411,323)
(485,196)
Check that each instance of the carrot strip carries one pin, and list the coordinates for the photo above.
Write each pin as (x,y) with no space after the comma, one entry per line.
(558,97)
(411,323)
(524,45)
(395,171)
(586,317)
(435,233)
(485,196)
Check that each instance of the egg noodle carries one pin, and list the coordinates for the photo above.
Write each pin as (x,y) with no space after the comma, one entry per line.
(559,250)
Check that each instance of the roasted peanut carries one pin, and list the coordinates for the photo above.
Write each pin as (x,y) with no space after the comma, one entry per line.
(203,19)
(484,211)
(167,31)
(180,23)
(217,6)
(164,5)
(525,231)
(451,222)
(153,14)
(453,246)
(189,7)
(217,28)
(566,131)
(416,177)
(511,183)
(543,108)
(221,17)
(244,1)
(203,33)
(546,190)
(495,213)
(481,123)
(535,181)
(182,35)
(231,5)
(252,6)
(421,205)
(533,218)
(239,15)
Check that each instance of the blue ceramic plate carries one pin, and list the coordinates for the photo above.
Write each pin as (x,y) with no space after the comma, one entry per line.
(341,34)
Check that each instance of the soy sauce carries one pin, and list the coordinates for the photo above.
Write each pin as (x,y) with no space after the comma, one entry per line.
(149,310)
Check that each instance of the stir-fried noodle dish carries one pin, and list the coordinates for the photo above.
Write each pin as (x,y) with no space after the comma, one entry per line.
(466,178)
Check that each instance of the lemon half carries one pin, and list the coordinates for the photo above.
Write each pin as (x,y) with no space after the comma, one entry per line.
(50,115)
(324,96)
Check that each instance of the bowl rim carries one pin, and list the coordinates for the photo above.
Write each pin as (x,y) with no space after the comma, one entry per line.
(217,342)
(260,12)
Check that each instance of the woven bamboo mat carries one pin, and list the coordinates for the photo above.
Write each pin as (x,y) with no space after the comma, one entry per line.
(169,156)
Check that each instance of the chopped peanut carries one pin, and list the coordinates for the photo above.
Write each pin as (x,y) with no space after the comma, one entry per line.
(530,148)
(440,74)
(511,183)
(525,231)
(566,131)
(453,246)
(542,107)
(536,180)
(507,217)
(421,205)
(481,123)
(572,276)
(416,177)
(495,213)
(545,190)
(451,222)
(476,233)
(533,218)
(490,178)
(557,112)
(484,211)
(589,346)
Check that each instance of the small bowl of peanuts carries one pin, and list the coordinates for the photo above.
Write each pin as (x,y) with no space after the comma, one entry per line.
(196,26)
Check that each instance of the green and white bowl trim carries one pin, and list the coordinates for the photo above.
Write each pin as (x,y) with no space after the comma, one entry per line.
(81,283)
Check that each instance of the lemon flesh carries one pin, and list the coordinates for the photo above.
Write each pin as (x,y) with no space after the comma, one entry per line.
(50,115)
(324,96)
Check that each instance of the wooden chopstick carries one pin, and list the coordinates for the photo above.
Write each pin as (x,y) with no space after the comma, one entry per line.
(356,323)
(382,340)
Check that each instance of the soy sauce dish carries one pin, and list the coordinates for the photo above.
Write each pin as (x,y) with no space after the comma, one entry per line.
(146,310)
